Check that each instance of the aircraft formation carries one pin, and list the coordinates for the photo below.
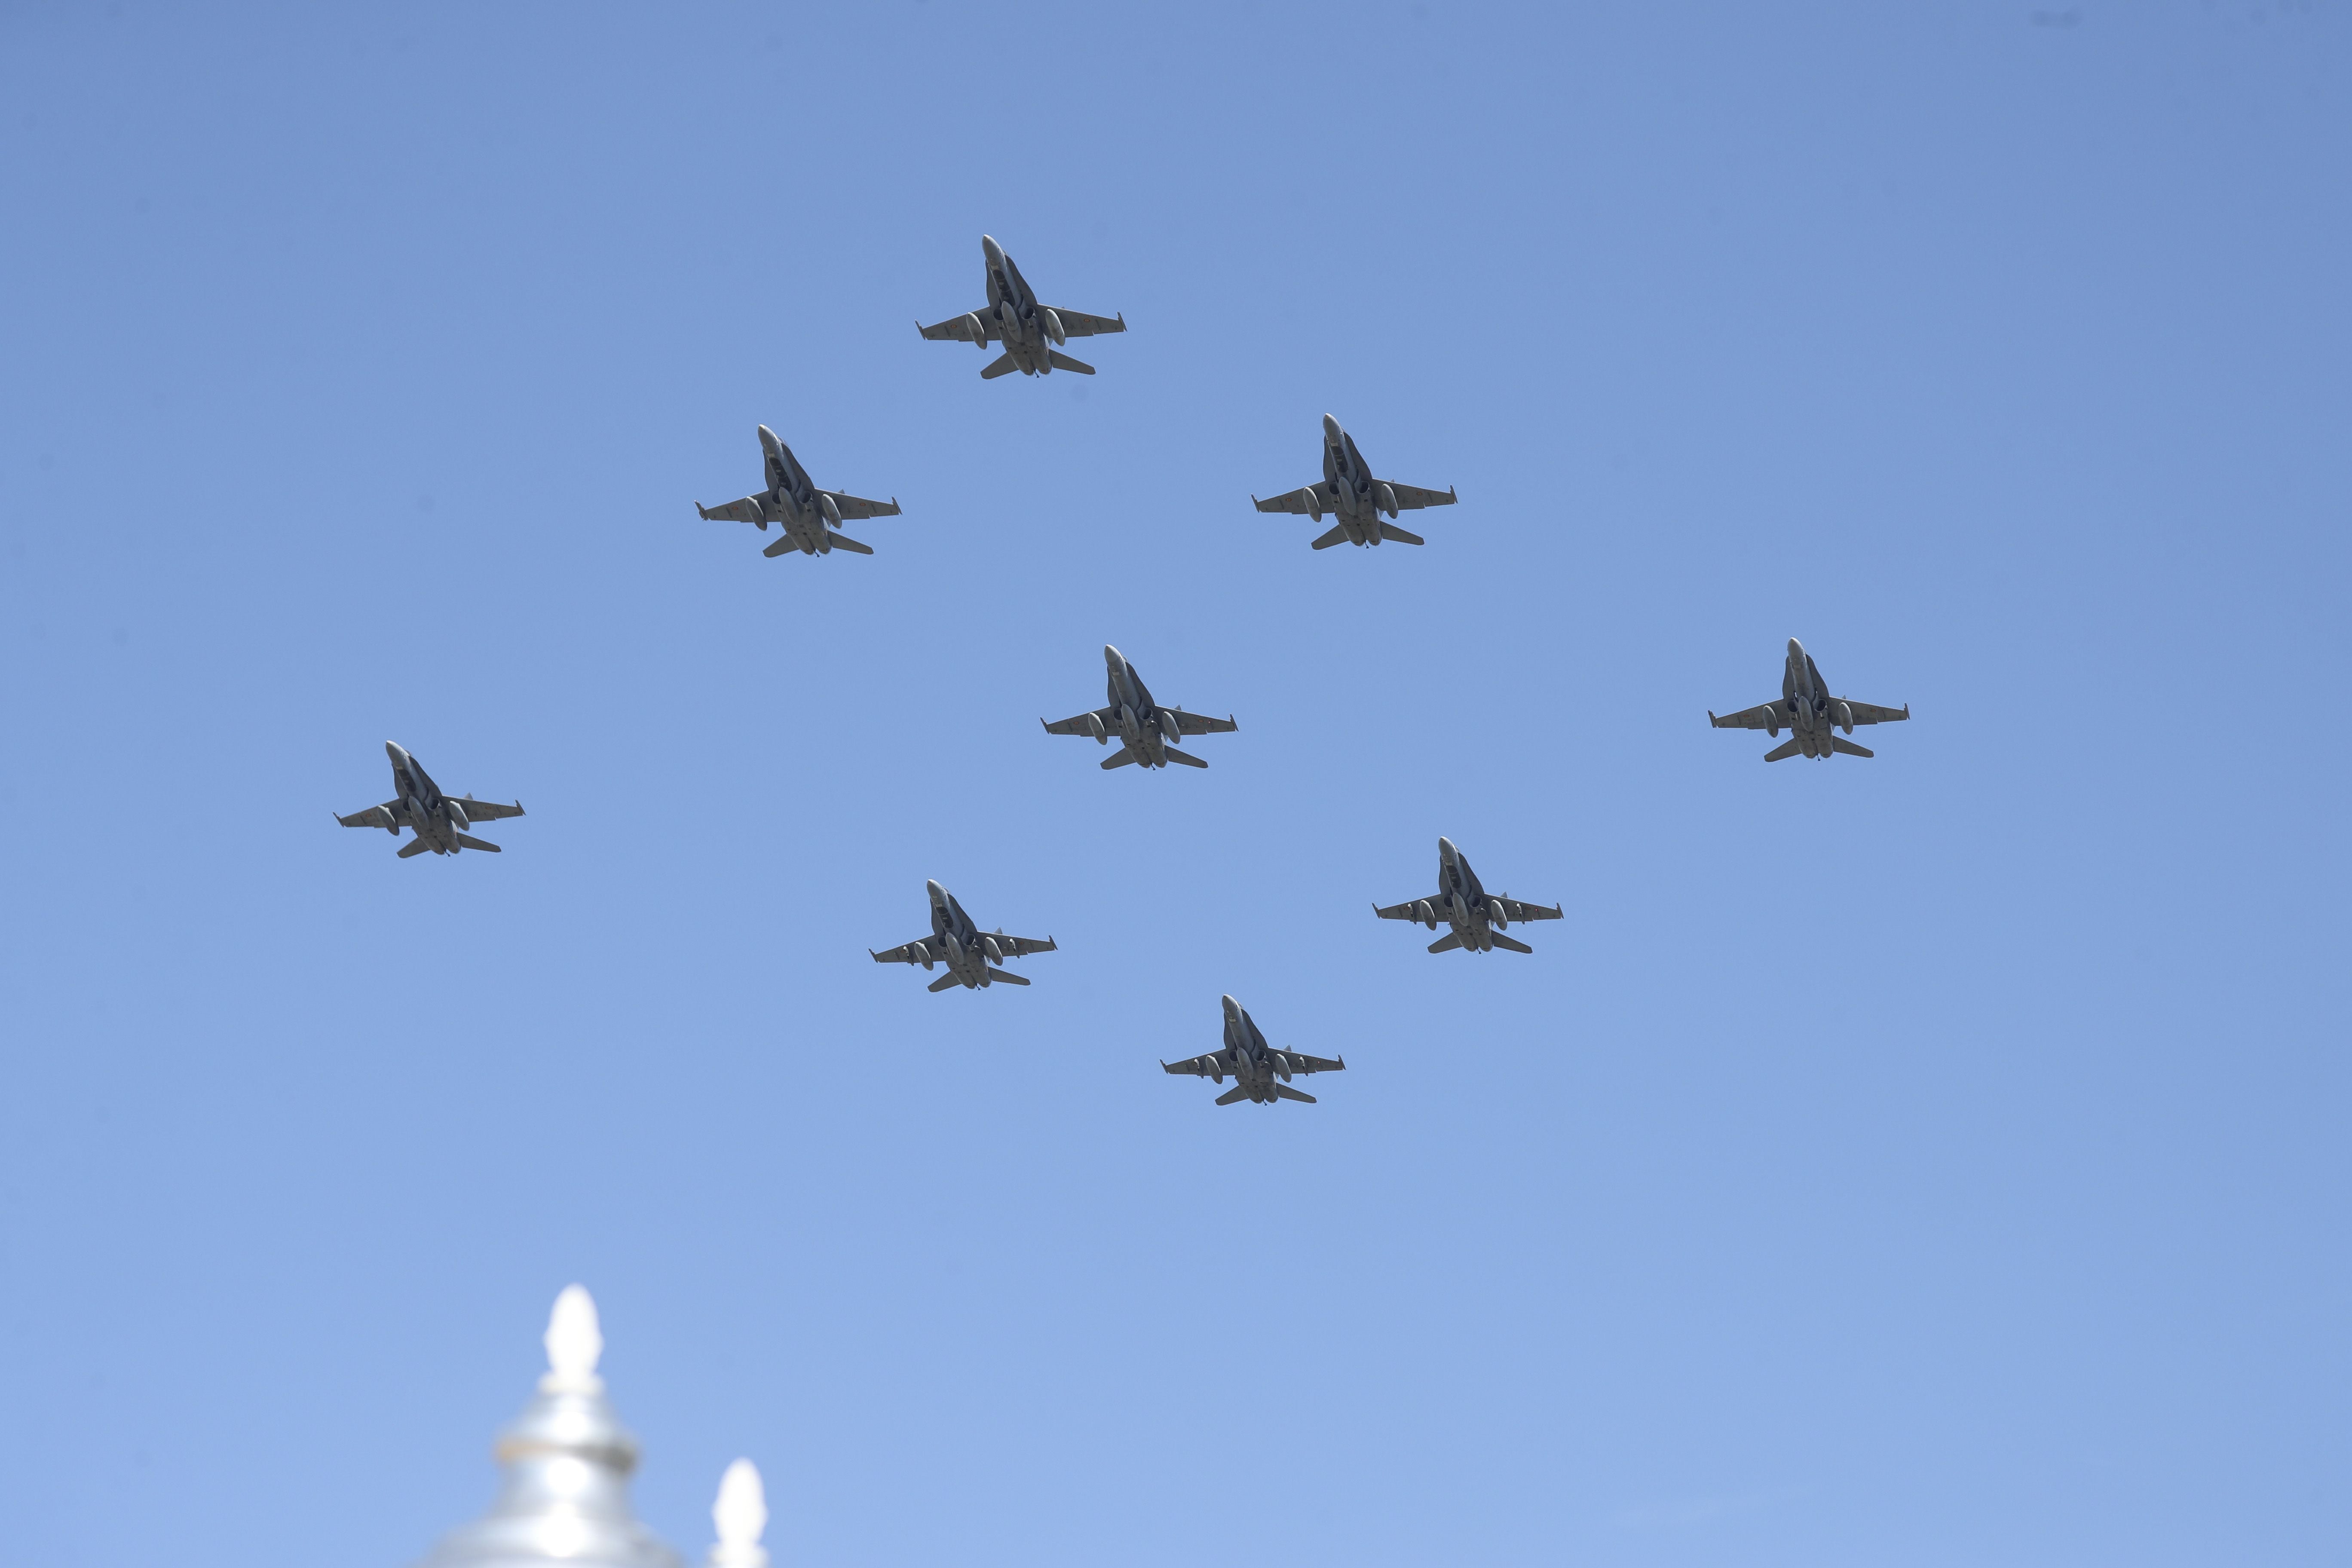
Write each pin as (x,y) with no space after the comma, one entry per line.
(1363,510)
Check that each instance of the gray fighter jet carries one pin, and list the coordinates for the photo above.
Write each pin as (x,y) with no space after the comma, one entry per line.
(1462,901)
(810,516)
(970,953)
(1259,1071)
(1810,713)
(1146,729)
(1349,493)
(439,821)
(1012,317)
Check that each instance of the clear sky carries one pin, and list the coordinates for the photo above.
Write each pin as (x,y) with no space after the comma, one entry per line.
(1933,1160)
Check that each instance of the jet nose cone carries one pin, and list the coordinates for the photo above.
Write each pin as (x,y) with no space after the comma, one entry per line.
(1231,1007)
(993,251)
(391,749)
(767,436)
(1796,649)
(938,894)
(1330,428)
(1113,658)
(1445,847)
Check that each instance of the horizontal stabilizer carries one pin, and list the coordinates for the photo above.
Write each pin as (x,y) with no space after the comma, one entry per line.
(1446,943)
(1396,535)
(1514,943)
(1001,364)
(415,846)
(1124,756)
(1285,1091)
(1006,977)
(781,545)
(843,542)
(1839,743)
(944,981)
(1064,361)
(1237,1092)
(1190,761)
(469,841)
(1784,751)
(1338,535)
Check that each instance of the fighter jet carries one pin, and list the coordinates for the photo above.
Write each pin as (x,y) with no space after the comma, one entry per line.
(1462,901)
(439,821)
(1349,493)
(970,953)
(1012,317)
(1810,713)
(1259,1071)
(810,515)
(1146,729)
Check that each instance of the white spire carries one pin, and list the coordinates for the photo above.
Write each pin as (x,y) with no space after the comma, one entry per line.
(740,1515)
(573,1344)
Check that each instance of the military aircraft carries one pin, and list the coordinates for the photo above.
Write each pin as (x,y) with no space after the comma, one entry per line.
(810,515)
(1810,713)
(970,953)
(1012,317)
(1146,729)
(439,821)
(1349,493)
(1476,915)
(1259,1071)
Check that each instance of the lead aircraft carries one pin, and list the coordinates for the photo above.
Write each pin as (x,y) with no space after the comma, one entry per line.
(1146,731)
(1477,916)
(439,821)
(1259,1072)
(970,955)
(1810,713)
(810,516)
(1349,493)
(1012,317)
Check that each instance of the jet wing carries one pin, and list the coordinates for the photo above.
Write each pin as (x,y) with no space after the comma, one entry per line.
(1079,726)
(1870,714)
(1314,1063)
(1765,716)
(914,952)
(1405,911)
(1413,497)
(958,329)
(1199,1066)
(1518,911)
(1307,500)
(1019,947)
(744,511)
(1078,324)
(383,816)
(1196,724)
(486,810)
(855,508)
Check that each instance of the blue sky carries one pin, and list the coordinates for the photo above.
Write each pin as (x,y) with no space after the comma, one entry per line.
(1933,1160)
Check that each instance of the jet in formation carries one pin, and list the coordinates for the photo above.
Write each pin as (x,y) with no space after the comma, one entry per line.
(1477,916)
(1810,713)
(1259,1072)
(1351,495)
(970,955)
(1012,317)
(811,517)
(1146,731)
(438,820)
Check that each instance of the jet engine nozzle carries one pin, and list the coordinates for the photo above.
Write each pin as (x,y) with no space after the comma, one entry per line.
(979,333)
(1387,498)
(1052,325)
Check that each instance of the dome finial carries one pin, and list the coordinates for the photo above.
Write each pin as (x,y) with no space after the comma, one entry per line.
(740,1515)
(574,1343)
